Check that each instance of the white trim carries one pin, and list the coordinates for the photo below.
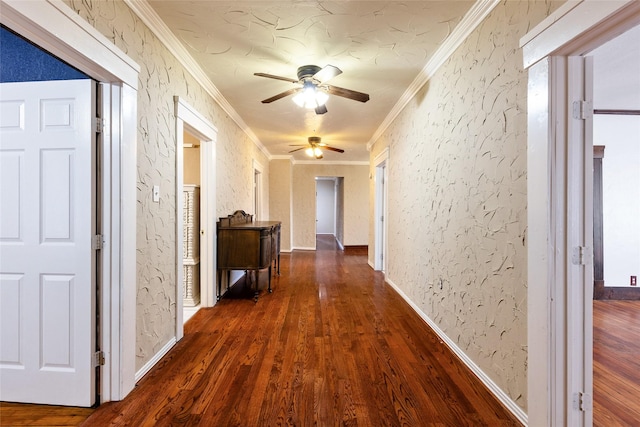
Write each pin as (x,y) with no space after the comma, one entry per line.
(319,162)
(329,162)
(570,23)
(486,380)
(469,22)
(110,149)
(189,119)
(126,206)
(52,25)
(539,250)
(381,157)
(145,12)
(258,166)
(303,248)
(155,359)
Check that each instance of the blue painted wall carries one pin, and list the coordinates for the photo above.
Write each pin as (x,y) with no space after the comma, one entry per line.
(20,61)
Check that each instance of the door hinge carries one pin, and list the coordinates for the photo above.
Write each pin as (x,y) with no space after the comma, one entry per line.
(582,110)
(98,124)
(382,218)
(98,358)
(585,402)
(582,255)
(97,242)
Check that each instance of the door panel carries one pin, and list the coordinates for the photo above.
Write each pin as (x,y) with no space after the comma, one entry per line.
(47,221)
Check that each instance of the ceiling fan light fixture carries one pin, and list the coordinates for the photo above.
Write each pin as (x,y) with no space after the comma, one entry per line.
(310,97)
(314,152)
(321,97)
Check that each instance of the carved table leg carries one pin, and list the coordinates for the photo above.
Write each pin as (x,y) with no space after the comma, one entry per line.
(218,285)
(257,292)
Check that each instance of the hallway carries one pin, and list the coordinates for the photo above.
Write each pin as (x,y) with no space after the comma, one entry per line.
(332,345)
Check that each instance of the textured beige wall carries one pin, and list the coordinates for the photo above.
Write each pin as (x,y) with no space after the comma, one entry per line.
(280,199)
(161,78)
(356,202)
(457,197)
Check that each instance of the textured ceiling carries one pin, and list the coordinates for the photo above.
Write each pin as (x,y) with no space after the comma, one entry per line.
(381,47)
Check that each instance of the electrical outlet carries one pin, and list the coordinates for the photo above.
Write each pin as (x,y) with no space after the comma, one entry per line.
(634,280)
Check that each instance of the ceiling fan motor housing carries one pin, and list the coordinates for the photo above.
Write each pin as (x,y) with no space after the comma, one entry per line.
(314,140)
(307,71)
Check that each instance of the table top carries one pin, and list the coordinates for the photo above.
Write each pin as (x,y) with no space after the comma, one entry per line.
(255,225)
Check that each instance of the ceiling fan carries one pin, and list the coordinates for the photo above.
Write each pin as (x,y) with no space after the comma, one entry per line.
(314,92)
(315,147)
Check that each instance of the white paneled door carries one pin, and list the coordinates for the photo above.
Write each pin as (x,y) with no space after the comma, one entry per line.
(47,223)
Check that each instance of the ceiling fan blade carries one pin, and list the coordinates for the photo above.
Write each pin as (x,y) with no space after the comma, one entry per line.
(271,76)
(281,95)
(327,73)
(338,150)
(297,149)
(347,93)
(321,109)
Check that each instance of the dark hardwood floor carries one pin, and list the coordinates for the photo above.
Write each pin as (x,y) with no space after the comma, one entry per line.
(616,363)
(332,345)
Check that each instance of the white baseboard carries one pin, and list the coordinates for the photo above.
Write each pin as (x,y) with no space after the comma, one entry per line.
(300,248)
(492,386)
(155,359)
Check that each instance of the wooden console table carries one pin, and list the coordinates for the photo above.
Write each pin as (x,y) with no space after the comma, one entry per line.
(244,244)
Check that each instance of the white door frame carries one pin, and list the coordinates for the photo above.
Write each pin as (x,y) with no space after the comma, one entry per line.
(258,170)
(55,27)
(559,378)
(189,119)
(381,163)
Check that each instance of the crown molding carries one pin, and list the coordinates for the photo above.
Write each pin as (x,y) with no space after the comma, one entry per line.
(329,162)
(145,12)
(282,157)
(320,162)
(469,22)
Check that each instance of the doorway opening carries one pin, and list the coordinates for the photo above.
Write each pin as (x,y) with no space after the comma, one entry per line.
(191,225)
(560,206)
(380,215)
(616,250)
(192,129)
(330,209)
